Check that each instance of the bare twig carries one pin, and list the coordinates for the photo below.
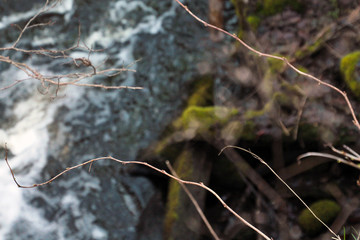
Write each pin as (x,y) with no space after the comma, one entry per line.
(261,54)
(7,162)
(193,200)
(45,8)
(65,79)
(351,155)
(287,186)
(199,184)
(330,156)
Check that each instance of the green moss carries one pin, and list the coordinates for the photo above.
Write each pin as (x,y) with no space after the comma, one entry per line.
(282,99)
(167,149)
(184,169)
(173,201)
(326,210)
(310,49)
(200,120)
(276,65)
(272,7)
(303,69)
(249,131)
(293,88)
(257,113)
(336,10)
(349,66)
(238,5)
(203,92)
(240,11)
(253,21)
(236,130)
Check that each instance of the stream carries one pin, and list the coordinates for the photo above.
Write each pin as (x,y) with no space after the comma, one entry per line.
(45,134)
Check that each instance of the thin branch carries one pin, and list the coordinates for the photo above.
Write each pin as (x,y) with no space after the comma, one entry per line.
(199,184)
(351,156)
(330,156)
(288,187)
(193,200)
(58,80)
(261,54)
(352,151)
(7,162)
(42,10)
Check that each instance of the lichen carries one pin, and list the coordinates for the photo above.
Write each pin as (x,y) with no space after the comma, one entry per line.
(326,210)
(349,67)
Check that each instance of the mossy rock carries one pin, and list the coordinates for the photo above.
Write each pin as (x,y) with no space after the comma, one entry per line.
(197,120)
(350,70)
(192,164)
(184,170)
(239,130)
(203,92)
(201,96)
(326,210)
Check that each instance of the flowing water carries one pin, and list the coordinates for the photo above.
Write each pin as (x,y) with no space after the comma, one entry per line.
(45,135)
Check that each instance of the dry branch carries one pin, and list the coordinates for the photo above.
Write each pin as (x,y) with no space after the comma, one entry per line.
(193,200)
(337,237)
(59,80)
(199,184)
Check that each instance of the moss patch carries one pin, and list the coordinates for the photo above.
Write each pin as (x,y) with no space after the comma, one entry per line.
(184,170)
(276,65)
(326,210)
(250,114)
(349,67)
(236,130)
(272,7)
(253,21)
(199,120)
(310,49)
(203,93)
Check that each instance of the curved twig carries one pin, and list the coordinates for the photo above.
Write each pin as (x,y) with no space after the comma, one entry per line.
(199,184)
(288,187)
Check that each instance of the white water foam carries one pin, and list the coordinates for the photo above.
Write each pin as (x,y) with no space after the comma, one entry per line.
(28,136)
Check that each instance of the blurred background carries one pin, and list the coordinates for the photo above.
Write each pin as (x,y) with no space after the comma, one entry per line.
(202,90)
